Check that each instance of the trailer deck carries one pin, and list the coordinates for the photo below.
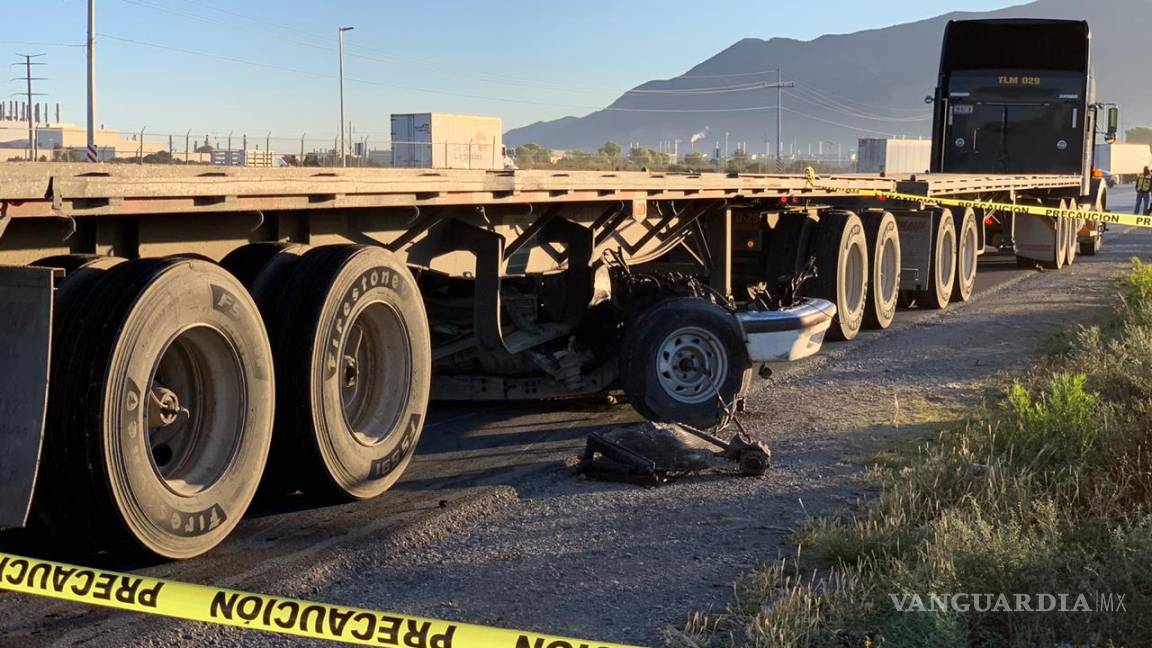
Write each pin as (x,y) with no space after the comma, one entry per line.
(49,189)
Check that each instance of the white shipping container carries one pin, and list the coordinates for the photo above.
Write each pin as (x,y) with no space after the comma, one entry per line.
(441,141)
(1124,160)
(893,156)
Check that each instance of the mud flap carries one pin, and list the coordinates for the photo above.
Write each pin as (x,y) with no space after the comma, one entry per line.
(25,345)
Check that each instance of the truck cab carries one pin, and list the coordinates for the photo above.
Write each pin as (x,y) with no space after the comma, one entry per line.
(1017,96)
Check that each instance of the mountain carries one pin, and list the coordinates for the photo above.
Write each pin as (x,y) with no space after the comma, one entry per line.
(866,84)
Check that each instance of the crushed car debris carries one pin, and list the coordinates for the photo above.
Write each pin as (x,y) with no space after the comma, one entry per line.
(651,453)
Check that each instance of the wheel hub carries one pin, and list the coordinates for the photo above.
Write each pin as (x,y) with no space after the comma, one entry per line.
(692,365)
(193,405)
(165,407)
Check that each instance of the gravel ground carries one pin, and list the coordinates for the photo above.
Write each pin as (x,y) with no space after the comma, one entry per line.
(619,563)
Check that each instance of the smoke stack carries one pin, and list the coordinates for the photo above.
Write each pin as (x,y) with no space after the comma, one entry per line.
(57,113)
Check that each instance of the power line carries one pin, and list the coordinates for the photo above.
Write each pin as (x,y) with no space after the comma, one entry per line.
(856,114)
(834,97)
(284,68)
(40,43)
(833,123)
(391,59)
(692,91)
(721,76)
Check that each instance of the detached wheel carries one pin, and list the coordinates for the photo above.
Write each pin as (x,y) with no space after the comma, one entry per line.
(678,356)
(353,367)
(942,271)
(160,411)
(884,287)
(967,257)
(841,251)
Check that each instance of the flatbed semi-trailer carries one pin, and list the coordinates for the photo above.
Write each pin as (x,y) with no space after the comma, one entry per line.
(167,332)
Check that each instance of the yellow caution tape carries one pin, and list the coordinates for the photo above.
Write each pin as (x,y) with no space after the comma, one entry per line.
(259,612)
(1036,210)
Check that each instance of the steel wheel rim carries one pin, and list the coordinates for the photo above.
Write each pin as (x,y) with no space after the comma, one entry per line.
(947,256)
(375,372)
(854,289)
(691,365)
(195,410)
(968,255)
(889,273)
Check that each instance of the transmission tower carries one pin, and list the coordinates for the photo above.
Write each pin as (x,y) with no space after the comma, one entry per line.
(28,94)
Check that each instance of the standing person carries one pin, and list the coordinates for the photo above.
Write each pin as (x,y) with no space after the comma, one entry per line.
(1143,191)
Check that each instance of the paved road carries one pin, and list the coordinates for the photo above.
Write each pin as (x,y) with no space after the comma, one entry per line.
(470,458)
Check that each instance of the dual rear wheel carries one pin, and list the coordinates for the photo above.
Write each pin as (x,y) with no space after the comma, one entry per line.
(173,380)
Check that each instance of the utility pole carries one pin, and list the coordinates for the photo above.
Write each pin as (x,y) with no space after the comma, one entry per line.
(780,85)
(340,36)
(28,78)
(92,157)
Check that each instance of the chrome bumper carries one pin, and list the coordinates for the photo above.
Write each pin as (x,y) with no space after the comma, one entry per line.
(786,334)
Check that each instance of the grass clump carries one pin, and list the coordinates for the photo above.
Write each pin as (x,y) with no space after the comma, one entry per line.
(1047,492)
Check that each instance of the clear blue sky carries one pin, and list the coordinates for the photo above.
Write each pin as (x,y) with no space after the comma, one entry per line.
(523,61)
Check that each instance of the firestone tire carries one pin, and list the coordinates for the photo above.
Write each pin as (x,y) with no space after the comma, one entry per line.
(841,251)
(353,366)
(884,285)
(787,248)
(80,270)
(677,356)
(942,271)
(160,411)
(248,262)
(967,241)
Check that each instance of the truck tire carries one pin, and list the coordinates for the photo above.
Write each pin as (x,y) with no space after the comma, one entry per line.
(247,261)
(1061,260)
(967,258)
(1073,237)
(264,268)
(787,247)
(1092,247)
(884,285)
(942,271)
(841,251)
(353,366)
(677,356)
(69,263)
(159,418)
(80,270)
